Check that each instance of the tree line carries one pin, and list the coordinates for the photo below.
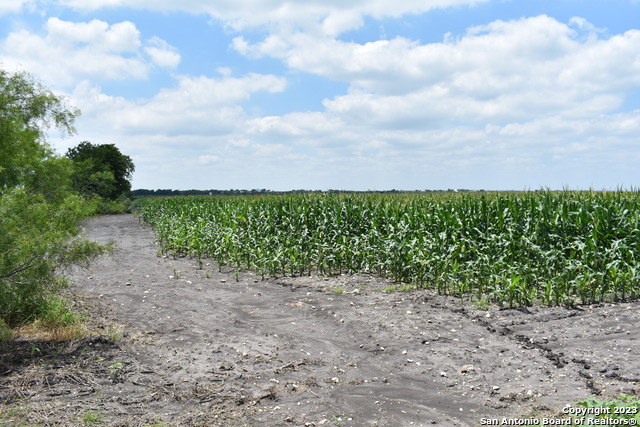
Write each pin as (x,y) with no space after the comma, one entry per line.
(143,192)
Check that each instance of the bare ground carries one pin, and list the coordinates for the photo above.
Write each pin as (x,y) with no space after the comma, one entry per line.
(202,348)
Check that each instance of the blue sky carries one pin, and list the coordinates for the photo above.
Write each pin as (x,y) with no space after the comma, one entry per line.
(349,94)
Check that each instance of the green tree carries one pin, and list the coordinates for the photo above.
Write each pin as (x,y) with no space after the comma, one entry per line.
(27,111)
(101,170)
(39,211)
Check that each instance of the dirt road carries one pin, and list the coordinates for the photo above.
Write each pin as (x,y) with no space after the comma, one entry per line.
(201,348)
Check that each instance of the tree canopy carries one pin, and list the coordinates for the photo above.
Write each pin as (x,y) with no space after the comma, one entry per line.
(27,111)
(102,170)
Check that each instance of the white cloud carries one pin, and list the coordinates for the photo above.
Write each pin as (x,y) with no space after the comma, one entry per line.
(122,37)
(296,125)
(83,50)
(189,130)
(9,6)
(320,16)
(338,22)
(496,73)
(489,59)
(196,106)
(202,91)
(162,53)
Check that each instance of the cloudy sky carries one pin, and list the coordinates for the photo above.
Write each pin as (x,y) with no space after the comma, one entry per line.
(345,94)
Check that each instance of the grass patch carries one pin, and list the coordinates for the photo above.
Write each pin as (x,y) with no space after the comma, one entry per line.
(55,321)
(93,417)
(481,304)
(405,287)
(43,332)
(114,332)
(12,416)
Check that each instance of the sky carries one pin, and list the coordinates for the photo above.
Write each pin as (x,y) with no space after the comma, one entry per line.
(344,94)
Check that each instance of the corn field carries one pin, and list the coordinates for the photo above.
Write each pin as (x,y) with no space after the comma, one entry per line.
(520,249)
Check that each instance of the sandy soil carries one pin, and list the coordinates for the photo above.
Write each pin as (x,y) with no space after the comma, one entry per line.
(202,348)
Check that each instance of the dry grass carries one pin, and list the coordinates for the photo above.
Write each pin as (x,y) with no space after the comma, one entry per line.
(39,331)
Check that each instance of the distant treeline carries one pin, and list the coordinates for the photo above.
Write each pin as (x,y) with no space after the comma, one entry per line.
(166,192)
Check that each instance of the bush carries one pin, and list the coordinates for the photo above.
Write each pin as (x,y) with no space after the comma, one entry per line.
(119,206)
(36,240)
(39,209)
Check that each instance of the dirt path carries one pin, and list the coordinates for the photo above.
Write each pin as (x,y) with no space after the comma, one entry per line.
(201,348)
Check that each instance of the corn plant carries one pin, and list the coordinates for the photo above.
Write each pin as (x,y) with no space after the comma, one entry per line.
(554,248)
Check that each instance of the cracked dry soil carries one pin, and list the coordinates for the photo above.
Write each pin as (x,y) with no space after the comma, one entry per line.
(202,348)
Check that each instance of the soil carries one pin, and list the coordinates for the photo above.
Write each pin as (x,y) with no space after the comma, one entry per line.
(204,346)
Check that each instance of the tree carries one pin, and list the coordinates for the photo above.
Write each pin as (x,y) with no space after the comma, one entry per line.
(27,111)
(39,211)
(101,170)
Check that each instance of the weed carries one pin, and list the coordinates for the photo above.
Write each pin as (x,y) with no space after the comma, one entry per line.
(338,421)
(93,417)
(620,410)
(624,407)
(5,331)
(35,350)
(114,333)
(115,367)
(481,304)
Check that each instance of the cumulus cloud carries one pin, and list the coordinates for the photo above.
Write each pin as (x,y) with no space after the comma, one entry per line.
(81,50)
(195,106)
(9,6)
(327,17)
(489,59)
(99,35)
(162,53)
(497,73)
(510,93)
